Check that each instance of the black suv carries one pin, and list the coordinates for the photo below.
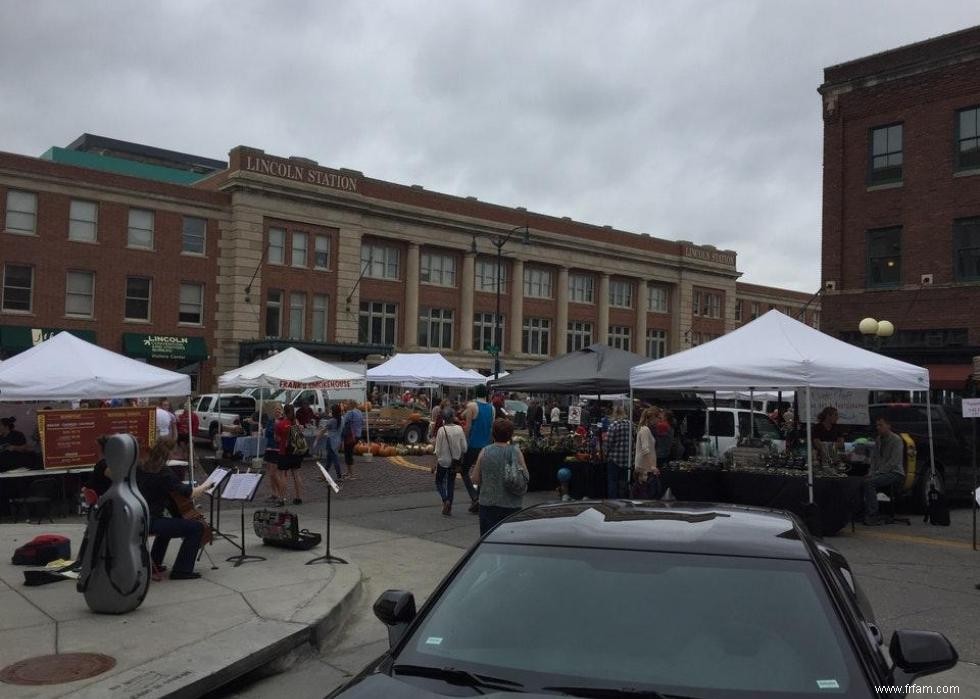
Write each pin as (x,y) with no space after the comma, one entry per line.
(952,440)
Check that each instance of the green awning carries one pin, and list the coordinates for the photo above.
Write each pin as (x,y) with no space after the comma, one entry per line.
(17,338)
(192,349)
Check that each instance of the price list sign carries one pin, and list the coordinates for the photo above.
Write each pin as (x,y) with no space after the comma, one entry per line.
(68,437)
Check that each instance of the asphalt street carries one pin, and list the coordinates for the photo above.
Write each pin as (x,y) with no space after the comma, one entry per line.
(916,576)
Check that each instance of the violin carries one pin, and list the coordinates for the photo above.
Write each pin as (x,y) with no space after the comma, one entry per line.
(187,510)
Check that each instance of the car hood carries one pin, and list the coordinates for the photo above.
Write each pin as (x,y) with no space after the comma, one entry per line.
(373,686)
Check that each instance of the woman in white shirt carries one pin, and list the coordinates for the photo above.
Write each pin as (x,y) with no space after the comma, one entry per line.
(646,475)
(450,448)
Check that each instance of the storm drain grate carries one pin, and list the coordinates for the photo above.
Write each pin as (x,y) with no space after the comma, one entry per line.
(57,669)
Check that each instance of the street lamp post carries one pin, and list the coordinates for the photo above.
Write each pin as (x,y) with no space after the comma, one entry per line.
(499,241)
(876,331)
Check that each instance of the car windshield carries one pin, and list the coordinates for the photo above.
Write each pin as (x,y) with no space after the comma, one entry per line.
(690,625)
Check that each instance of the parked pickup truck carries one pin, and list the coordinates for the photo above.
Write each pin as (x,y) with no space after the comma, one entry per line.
(222,412)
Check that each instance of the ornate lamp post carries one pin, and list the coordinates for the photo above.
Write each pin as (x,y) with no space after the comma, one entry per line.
(876,332)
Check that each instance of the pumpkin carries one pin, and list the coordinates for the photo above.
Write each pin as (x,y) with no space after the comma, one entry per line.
(414,417)
(375,449)
(366,406)
(360,448)
(391,451)
(582,456)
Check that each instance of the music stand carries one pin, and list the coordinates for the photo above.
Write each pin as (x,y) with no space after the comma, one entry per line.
(242,487)
(217,478)
(332,488)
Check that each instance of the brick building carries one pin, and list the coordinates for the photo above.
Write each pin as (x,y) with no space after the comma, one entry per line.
(752,300)
(901,202)
(202,265)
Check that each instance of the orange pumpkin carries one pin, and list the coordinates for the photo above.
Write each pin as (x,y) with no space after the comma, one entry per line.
(582,456)
(360,448)
(391,451)
(375,449)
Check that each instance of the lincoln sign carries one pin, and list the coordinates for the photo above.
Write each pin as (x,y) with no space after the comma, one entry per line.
(300,173)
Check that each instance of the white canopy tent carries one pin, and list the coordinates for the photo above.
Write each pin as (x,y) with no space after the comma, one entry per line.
(67,368)
(422,368)
(777,352)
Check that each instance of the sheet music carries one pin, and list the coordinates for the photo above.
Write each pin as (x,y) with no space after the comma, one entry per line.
(330,481)
(213,480)
(241,486)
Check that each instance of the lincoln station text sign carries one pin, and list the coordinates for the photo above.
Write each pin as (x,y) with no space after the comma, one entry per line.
(717,256)
(310,174)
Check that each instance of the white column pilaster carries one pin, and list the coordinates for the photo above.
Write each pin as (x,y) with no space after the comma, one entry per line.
(640,332)
(412,297)
(602,332)
(561,314)
(466,281)
(516,305)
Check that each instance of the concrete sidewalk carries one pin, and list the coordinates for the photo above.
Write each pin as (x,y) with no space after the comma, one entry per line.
(188,637)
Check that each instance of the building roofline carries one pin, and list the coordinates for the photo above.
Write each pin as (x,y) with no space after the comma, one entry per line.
(87,140)
(749,288)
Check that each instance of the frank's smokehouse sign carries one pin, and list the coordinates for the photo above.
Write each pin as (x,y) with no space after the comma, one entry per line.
(300,173)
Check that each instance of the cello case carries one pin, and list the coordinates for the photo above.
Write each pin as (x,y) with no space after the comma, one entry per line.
(115,570)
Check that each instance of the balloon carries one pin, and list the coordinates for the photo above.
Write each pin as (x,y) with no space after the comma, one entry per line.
(564,475)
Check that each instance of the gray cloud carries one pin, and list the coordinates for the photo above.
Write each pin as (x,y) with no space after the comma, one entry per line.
(694,120)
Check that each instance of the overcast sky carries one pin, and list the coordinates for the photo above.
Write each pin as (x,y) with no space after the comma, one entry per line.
(685,120)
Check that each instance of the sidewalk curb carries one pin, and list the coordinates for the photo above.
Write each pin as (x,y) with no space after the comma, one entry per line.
(203,667)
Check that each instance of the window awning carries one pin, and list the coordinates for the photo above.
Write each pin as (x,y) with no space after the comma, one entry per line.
(951,376)
(192,349)
(17,338)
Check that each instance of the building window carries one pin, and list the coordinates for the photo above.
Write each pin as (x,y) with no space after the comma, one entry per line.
(83,219)
(379,261)
(321,252)
(815,319)
(486,276)
(320,302)
(140,231)
(377,322)
(297,315)
(21,212)
(137,299)
(79,294)
(884,257)
(191,304)
(966,249)
(277,246)
(436,328)
(738,310)
(195,231)
(658,299)
(701,338)
(579,336)
(483,331)
(886,154)
(298,258)
(656,344)
(707,304)
(537,283)
(536,336)
(968,138)
(437,269)
(18,288)
(619,337)
(620,293)
(580,288)
(273,314)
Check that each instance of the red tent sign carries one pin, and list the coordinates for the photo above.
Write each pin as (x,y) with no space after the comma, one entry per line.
(68,437)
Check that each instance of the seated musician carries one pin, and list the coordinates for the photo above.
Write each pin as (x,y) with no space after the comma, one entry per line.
(15,452)
(158,483)
(99,480)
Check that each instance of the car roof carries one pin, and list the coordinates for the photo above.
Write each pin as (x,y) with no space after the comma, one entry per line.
(729,530)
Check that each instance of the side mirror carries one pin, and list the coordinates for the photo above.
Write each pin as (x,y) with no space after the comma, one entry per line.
(918,653)
(396,610)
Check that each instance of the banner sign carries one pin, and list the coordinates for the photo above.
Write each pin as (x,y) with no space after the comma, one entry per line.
(851,404)
(971,407)
(68,437)
(327,384)
(574,415)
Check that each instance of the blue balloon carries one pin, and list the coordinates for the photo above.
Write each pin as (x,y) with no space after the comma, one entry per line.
(564,474)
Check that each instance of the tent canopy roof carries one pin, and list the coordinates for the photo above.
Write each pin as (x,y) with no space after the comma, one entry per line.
(597,369)
(422,368)
(776,351)
(66,367)
(291,369)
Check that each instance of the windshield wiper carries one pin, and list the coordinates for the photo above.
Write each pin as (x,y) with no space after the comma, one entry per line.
(613,693)
(456,676)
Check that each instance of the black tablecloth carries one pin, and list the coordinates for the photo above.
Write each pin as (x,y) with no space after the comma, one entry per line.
(836,498)
(543,469)
(588,480)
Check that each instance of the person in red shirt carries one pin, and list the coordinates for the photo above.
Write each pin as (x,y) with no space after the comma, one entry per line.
(288,462)
(304,414)
(185,430)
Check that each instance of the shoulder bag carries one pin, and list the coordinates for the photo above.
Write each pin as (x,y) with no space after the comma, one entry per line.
(515,477)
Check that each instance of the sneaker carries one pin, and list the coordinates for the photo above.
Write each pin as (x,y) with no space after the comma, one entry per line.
(297,501)
(475,507)
(179,575)
(447,509)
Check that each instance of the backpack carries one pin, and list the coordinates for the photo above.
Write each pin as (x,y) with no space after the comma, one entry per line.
(42,549)
(937,512)
(296,442)
(515,477)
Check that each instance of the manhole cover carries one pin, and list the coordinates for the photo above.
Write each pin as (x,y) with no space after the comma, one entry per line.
(57,669)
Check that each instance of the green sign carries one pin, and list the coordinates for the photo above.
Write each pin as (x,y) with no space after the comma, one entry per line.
(491,349)
(17,338)
(164,347)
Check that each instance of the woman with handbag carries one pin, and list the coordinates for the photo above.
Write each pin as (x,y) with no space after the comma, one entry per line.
(501,474)
(646,474)
(449,449)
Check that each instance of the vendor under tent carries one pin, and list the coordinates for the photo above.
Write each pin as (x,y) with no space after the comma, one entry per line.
(67,368)
(291,369)
(422,368)
(775,351)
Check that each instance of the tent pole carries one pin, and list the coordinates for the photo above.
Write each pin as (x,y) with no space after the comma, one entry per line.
(751,412)
(714,414)
(809,447)
(190,438)
(932,451)
(629,465)
(259,430)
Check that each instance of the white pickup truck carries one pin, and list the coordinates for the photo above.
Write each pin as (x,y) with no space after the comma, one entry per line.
(220,412)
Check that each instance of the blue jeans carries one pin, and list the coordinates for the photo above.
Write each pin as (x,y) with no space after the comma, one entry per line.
(871,486)
(446,483)
(472,454)
(492,515)
(333,458)
(613,478)
(167,528)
